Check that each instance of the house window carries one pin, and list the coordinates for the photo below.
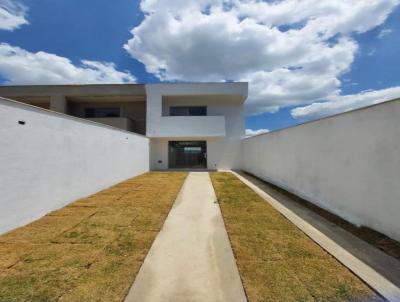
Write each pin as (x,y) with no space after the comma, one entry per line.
(102,112)
(187,110)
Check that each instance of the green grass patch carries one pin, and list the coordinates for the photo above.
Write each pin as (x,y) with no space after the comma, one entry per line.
(276,261)
(90,250)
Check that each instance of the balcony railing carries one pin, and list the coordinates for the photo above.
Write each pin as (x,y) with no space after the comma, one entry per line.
(189,126)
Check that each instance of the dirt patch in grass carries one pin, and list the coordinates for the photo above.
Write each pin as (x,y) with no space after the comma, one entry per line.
(90,250)
(278,262)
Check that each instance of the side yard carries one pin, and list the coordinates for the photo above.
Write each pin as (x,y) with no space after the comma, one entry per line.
(90,250)
(276,261)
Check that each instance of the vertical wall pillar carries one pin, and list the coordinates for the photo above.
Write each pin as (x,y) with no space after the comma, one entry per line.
(58,103)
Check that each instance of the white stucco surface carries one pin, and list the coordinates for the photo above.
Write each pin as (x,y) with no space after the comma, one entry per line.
(54,159)
(222,128)
(117,122)
(222,153)
(191,126)
(348,164)
(216,95)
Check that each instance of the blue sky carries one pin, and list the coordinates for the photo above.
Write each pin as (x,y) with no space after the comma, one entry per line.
(376,66)
(362,54)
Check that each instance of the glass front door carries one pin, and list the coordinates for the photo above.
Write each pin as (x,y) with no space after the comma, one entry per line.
(187,154)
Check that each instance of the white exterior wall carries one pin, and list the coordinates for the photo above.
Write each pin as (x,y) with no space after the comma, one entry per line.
(222,153)
(55,159)
(224,105)
(208,91)
(191,126)
(117,122)
(348,164)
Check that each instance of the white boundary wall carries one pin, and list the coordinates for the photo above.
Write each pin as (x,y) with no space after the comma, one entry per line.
(55,159)
(348,164)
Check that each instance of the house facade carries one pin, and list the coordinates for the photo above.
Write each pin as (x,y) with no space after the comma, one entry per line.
(190,126)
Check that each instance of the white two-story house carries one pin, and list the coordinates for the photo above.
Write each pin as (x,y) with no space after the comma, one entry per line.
(195,125)
(190,126)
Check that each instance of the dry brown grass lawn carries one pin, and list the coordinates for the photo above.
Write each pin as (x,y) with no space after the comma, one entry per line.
(90,250)
(377,239)
(277,262)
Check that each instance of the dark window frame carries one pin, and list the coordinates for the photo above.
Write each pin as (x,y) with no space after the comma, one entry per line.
(188,110)
(98,112)
(182,156)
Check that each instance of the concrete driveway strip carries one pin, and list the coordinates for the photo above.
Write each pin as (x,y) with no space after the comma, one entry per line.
(191,258)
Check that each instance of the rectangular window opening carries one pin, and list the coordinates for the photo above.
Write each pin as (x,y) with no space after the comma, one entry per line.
(187,110)
(102,112)
(187,154)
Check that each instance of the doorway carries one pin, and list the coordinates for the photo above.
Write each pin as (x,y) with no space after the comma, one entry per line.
(187,155)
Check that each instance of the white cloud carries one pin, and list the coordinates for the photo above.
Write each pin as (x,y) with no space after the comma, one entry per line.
(316,80)
(384,32)
(251,132)
(291,51)
(19,66)
(338,104)
(12,15)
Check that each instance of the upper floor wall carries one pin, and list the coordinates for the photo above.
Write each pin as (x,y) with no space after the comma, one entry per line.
(145,109)
(223,115)
(121,105)
(126,114)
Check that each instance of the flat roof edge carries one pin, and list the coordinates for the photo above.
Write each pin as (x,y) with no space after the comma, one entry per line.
(72,85)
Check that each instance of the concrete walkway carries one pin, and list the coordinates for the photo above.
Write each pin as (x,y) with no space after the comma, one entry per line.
(191,258)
